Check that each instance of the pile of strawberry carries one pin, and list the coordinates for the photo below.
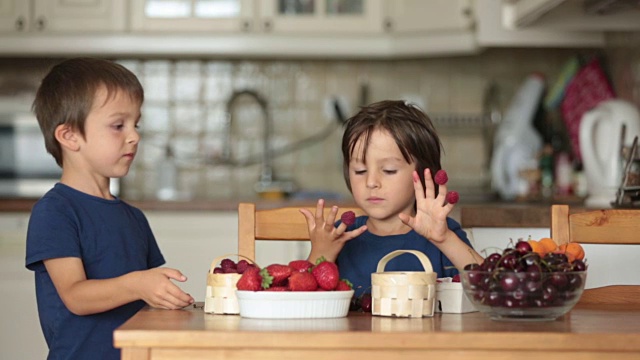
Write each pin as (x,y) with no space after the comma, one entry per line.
(298,275)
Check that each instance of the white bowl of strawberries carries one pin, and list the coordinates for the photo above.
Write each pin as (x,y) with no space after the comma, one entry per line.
(298,290)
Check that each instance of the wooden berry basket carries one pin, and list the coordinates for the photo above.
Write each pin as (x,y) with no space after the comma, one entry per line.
(221,296)
(403,293)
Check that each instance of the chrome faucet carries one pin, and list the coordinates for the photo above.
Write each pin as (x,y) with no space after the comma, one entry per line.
(266,182)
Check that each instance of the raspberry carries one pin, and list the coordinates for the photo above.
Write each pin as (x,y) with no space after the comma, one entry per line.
(228,266)
(452,197)
(348,218)
(441,177)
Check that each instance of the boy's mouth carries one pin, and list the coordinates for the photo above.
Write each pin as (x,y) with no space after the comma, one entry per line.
(374,199)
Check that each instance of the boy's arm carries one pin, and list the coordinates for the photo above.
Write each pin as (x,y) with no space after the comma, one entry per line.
(457,251)
(84,297)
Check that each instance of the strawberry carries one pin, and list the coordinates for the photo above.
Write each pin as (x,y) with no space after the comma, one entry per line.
(452,197)
(456,278)
(242,265)
(277,288)
(280,273)
(348,218)
(228,266)
(441,177)
(302,281)
(250,280)
(344,285)
(300,265)
(218,270)
(326,274)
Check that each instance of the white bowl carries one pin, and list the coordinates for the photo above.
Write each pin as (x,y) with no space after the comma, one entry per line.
(294,304)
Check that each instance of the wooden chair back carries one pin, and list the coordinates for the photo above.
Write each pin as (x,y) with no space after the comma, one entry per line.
(284,223)
(607,226)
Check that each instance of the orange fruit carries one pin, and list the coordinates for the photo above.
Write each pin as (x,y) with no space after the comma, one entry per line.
(548,244)
(572,250)
(537,247)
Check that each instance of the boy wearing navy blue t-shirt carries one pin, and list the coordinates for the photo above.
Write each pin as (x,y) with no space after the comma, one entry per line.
(95,259)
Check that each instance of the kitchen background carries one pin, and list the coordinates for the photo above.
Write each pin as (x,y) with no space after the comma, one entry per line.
(454,63)
(186,109)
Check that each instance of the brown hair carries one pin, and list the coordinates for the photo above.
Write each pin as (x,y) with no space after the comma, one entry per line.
(411,128)
(67,92)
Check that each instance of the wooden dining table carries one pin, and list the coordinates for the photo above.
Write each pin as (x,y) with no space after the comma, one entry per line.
(586,332)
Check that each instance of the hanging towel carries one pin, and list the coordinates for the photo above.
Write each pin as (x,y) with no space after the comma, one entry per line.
(586,90)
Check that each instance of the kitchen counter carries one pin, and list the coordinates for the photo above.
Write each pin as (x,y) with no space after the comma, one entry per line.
(587,332)
(513,215)
(25,205)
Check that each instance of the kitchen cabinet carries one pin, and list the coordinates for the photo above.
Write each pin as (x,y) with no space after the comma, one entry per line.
(491,32)
(411,16)
(51,16)
(265,16)
(572,15)
(322,16)
(205,16)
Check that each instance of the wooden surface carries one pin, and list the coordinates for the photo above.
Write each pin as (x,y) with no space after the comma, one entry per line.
(587,332)
(509,215)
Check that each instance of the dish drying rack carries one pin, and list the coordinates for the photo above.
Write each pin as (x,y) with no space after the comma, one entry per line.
(628,195)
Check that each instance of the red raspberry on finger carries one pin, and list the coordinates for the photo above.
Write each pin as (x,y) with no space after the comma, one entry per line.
(441,177)
(348,218)
(452,197)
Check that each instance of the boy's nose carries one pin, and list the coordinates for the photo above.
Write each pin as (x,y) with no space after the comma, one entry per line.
(372,181)
(134,137)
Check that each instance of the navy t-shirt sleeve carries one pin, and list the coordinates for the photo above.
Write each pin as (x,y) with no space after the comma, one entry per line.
(155,257)
(52,233)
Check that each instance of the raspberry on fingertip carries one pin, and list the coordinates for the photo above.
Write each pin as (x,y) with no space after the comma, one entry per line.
(441,177)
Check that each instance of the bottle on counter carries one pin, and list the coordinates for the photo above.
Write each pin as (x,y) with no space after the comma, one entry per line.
(167,177)
(546,172)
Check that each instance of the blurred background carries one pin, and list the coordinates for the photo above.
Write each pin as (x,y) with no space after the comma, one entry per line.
(247,99)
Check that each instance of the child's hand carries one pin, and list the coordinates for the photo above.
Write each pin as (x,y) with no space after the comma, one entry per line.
(431,210)
(326,239)
(156,288)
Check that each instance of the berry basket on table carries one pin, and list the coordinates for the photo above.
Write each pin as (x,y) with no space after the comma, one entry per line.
(404,293)
(221,295)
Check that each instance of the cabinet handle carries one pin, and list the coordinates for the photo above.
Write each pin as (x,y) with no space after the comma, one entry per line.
(246,25)
(40,24)
(20,23)
(268,25)
(388,25)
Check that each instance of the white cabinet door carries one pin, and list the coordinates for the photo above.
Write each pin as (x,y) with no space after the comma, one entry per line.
(411,16)
(62,16)
(200,16)
(79,15)
(322,16)
(14,15)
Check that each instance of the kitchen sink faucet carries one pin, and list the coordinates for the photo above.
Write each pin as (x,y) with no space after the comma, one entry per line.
(266,182)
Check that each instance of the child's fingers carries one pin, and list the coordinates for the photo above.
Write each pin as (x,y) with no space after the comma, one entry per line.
(311,221)
(174,274)
(355,233)
(428,184)
(442,193)
(320,211)
(331,219)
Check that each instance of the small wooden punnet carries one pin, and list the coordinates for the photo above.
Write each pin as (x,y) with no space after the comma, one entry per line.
(221,289)
(404,293)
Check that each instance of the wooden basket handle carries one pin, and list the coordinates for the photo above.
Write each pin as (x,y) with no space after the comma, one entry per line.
(221,257)
(424,260)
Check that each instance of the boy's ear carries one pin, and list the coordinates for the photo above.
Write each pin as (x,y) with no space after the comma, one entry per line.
(67,137)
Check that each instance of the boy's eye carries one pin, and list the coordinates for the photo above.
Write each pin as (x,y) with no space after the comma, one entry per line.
(359,172)
(390,172)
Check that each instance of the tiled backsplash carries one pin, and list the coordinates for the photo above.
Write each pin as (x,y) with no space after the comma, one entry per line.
(185,107)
